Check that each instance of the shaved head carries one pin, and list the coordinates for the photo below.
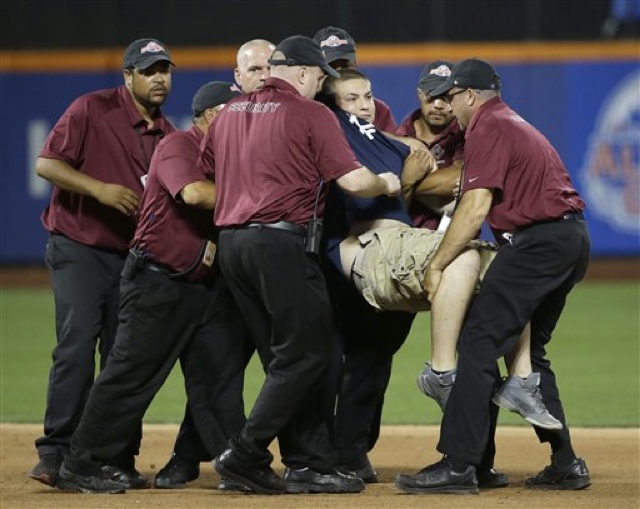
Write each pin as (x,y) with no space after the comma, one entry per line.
(252,64)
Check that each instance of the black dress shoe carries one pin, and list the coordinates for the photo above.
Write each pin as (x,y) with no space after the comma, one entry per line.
(130,477)
(305,480)
(364,471)
(229,485)
(490,478)
(176,474)
(259,479)
(574,476)
(439,478)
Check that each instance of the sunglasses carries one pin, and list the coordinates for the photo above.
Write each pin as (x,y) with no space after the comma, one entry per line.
(448,97)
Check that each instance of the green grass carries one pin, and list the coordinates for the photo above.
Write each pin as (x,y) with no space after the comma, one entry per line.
(595,353)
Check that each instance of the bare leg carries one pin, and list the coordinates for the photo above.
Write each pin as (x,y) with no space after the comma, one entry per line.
(520,392)
(518,360)
(449,308)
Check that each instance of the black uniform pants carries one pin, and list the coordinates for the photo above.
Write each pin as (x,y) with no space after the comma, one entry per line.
(369,338)
(160,320)
(189,445)
(283,296)
(529,280)
(86,291)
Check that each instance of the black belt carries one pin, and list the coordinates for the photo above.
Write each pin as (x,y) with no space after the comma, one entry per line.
(572,216)
(280,225)
(569,216)
(154,267)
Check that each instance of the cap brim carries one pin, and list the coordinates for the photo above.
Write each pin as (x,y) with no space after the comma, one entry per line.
(333,55)
(430,84)
(330,71)
(152,60)
(442,89)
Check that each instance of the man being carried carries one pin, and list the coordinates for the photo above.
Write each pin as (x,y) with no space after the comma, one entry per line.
(371,241)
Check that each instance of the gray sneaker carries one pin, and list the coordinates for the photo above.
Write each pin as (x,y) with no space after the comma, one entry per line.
(522,396)
(436,386)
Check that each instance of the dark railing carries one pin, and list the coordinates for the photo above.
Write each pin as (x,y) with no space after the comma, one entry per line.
(40,24)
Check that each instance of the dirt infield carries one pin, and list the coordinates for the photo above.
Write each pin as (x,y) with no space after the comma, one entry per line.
(613,457)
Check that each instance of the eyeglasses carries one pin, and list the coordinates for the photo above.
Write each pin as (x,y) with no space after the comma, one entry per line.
(448,97)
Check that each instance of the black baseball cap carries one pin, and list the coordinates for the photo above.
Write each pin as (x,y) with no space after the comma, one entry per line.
(143,53)
(336,43)
(434,74)
(301,50)
(213,94)
(470,73)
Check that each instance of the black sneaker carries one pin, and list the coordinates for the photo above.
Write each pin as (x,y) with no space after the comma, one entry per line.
(176,474)
(364,471)
(130,477)
(439,478)
(262,480)
(90,483)
(46,470)
(305,480)
(574,476)
(490,478)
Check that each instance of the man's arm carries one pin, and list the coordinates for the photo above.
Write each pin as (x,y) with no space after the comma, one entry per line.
(467,221)
(201,193)
(416,166)
(363,182)
(416,146)
(443,182)
(65,177)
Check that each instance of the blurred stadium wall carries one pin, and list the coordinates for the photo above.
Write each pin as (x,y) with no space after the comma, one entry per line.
(563,68)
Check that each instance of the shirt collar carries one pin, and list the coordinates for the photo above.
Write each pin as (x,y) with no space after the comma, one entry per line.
(280,84)
(197,134)
(489,105)
(135,117)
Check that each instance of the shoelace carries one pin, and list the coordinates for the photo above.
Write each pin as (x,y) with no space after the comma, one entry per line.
(537,397)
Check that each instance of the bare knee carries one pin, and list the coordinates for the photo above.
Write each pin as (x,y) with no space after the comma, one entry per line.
(466,264)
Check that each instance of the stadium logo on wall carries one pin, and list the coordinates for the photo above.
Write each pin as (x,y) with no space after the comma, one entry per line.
(611,171)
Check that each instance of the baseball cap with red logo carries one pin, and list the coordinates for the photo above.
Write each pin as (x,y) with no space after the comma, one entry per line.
(213,94)
(336,44)
(470,73)
(434,74)
(301,50)
(143,53)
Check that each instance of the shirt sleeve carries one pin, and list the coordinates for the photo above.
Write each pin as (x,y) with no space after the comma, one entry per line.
(66,140)
(486,159)
(176,164)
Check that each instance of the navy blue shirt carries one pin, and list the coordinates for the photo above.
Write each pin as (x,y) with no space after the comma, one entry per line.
(378,153)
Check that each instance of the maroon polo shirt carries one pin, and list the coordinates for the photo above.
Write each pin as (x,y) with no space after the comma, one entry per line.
(383,119)
(169,231)
(269,150)
(103,135)
(505,153)
(447,148)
